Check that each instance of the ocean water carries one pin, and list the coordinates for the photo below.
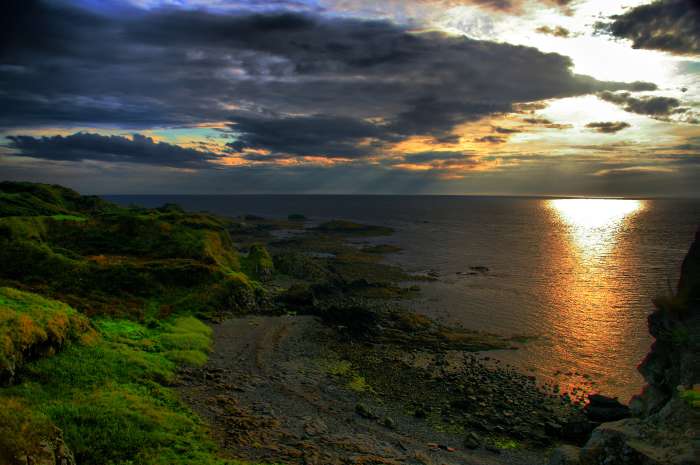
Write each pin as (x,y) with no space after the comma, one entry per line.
(575,276)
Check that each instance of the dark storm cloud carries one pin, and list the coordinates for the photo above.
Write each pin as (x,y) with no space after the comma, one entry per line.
(428,157)
(333,137)
(668,25)
(305,84)
(608,127)
(648,105)
(86,146)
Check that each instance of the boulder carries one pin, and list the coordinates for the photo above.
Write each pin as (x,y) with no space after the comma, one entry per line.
(472,441)
(365,412)
(634,442)
(565,455)
(51,450)
(601,409)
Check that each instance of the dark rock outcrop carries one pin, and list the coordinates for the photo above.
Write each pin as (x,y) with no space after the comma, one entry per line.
(602,408)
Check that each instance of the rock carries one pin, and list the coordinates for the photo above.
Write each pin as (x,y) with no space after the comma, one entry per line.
(389,423)
(50,451)
(577,431)
(602,408)
(618,442)
(420,413)
(461,404)
(565,455)
(552,429)
(603,414)
(472,441)
(492,448)
(364,411)
(315,427)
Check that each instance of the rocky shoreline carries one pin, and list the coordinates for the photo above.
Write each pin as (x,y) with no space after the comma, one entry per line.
(310,353)
(399,368)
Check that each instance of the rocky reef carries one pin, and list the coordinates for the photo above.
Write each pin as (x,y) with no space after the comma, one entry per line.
(665,426)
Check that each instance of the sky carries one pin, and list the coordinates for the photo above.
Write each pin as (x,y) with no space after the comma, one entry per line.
(491,97)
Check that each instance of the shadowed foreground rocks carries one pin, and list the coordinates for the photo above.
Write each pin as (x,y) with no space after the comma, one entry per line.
(665,428)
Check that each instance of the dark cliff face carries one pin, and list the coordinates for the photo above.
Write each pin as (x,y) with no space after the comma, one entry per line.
(689,284)
(674,359)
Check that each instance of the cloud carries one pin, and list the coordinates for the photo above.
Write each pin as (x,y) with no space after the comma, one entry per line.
(661,108)
(301,84)
(634,171)
(556,31)
(425,157)
(608,127)
(501,130)
(319,135)
(87,146)
(491,140)
(668,25)
(410,9)
(538,121)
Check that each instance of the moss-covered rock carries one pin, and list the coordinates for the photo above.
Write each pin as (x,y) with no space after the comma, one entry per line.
(32,326)
(27,436)
(259,262)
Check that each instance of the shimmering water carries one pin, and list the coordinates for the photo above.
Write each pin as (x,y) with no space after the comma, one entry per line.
(576,274)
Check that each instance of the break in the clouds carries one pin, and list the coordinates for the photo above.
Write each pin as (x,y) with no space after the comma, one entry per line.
(668,25)
(228,85)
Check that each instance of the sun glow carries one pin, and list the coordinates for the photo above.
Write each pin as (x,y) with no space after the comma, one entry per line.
(594,224)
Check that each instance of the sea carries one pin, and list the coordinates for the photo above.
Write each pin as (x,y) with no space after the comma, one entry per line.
(570,279)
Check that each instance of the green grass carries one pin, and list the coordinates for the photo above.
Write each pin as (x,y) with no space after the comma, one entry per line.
(61,217)
(107,387)
(506,444)
(345,370)
(109,398)
(691,397)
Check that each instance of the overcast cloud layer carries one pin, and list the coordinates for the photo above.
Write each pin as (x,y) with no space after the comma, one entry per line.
(294,82)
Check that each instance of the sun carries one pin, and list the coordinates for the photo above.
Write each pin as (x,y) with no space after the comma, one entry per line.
(595,224)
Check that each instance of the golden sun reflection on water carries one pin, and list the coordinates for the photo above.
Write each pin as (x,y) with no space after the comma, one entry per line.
(594,224)
(589,286)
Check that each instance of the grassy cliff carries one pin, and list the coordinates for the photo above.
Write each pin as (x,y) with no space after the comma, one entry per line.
(99,306)
(105,259)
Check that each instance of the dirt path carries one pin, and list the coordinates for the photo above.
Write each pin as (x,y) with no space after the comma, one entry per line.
(268,396)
